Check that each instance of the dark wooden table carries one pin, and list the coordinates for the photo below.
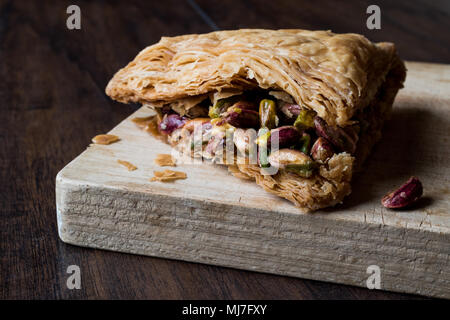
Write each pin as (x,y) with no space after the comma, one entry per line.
(52,101)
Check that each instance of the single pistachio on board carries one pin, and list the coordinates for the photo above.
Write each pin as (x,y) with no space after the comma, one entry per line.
(242,118)
(293,161)
(268,113)
(305,119)
(404,196)
(170,123)
(321,150)
(338,137)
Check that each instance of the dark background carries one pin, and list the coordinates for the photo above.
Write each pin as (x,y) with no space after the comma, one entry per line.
(52,102)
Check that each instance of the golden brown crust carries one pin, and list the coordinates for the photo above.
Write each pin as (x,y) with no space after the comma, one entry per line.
(378,110)
(325,189)
(333,74)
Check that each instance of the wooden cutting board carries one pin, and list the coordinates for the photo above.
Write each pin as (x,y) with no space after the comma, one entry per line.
(215,218)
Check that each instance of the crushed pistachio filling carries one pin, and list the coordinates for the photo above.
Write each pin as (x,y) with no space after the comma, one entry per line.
(285,135)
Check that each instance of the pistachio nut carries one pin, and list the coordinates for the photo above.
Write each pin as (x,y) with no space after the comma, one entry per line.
(404,196)
(221,106)
(171,122)
(263,140)
(291,111)
(293,161)
(242,118)
(305,143)
(268,113)
(305,119)
(241,104)
(338,137)
(287,136)
(205,124)
(321,150)
(244,140)
(214,144)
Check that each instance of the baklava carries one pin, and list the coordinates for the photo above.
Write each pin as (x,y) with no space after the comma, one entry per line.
(300,109)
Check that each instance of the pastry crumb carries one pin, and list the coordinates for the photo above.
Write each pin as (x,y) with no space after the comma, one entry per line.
(152,128)
(142,122)
(165,160)
(128,165)
(105,139)
(168,175)
(150,125)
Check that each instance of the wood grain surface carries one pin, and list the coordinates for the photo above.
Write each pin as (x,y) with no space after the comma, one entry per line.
(53,101)
(215,218)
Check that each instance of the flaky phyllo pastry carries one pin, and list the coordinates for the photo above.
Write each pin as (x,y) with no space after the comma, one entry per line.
(323,96)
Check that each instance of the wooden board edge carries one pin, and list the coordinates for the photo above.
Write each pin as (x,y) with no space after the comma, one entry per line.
(345,266)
